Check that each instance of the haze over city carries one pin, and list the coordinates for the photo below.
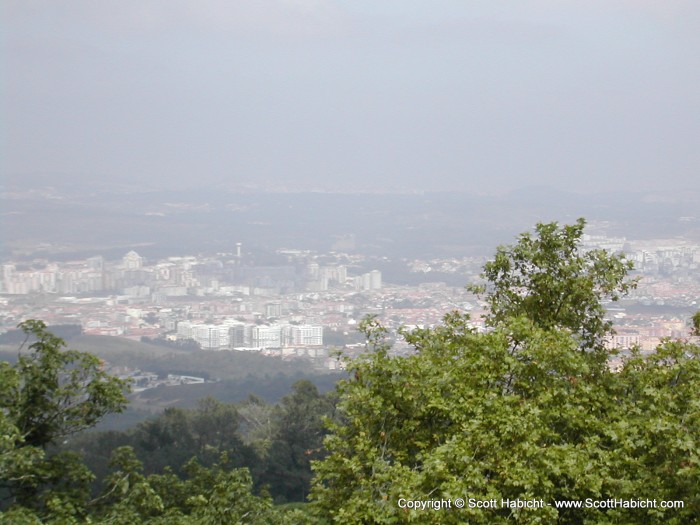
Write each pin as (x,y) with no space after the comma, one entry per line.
(483,97)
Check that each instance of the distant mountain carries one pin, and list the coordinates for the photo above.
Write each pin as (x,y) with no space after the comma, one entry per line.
(55,222)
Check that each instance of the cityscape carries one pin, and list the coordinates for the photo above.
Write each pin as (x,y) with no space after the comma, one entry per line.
(310,306)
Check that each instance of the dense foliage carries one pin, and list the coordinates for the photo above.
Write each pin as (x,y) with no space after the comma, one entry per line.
(47,395)
(531,410)
(275,443)
(183,466)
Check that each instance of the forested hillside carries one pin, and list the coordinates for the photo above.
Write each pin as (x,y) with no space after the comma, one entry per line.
(213,365)
(509,425)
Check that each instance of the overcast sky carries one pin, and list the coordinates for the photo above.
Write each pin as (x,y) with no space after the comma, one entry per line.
(484,95)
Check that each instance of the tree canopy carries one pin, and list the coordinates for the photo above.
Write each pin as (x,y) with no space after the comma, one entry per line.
(550,280)
(50,393)
(191,464)
(531,410)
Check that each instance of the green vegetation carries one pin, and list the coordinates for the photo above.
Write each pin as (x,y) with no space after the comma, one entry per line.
(269,388)
(553,284)
(46,396)
(530,410)
(275,443)
(207,363)
(184,466)
(164,360)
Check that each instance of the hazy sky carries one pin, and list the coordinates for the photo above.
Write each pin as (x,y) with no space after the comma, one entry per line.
(483,95)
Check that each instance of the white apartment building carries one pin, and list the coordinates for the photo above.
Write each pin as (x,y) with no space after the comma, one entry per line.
(306,335)
(266,336)
(132,261)
(369,281)
(234,334)
(208,336)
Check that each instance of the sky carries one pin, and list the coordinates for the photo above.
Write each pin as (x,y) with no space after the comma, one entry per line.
(485,96)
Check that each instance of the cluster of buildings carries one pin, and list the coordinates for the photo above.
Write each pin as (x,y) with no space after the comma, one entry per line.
(664,257)
(225,274)
(220,302)
(51,277)
(236,335)
(306,303)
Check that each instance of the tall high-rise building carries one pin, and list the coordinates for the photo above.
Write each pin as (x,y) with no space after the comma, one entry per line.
(96,263)
(8,271)
(132,261)
(369,281)
(375,280)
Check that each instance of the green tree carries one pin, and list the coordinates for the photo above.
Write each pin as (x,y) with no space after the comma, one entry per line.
(549,279)
(298,431)
(177,435)
(16,459)
(530,410)
(208,496)
(696,324)
(49,394)
(657,434)
(129,496)
(256,416)
(215,427)
(45,488)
